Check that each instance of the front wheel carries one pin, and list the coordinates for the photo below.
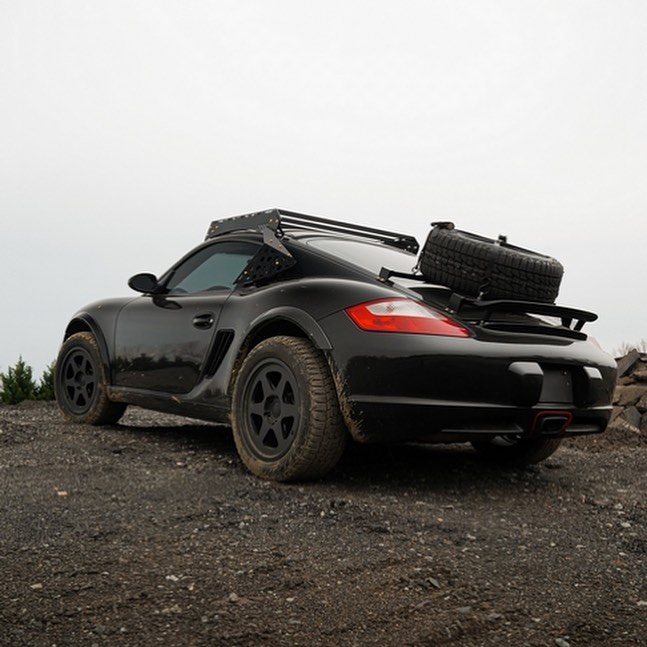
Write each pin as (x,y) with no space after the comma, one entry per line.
(80,383)
(286,419)
(512,450)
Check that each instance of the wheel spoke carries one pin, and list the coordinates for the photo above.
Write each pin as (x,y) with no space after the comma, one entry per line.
(289,410)
(267,436)
(257,408)
(79,380)
(271,378)
(281,386)
(285,434)
(272,413)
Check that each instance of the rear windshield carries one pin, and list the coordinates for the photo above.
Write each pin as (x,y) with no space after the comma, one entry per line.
(370,256)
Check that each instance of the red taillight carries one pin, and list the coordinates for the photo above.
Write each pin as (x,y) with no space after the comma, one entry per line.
(404,316)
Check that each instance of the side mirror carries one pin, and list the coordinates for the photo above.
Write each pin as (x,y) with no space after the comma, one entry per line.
(145,282)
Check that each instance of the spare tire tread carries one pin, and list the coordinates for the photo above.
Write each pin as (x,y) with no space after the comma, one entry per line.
(477,266)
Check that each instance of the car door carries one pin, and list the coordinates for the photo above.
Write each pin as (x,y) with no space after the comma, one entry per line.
(162,340)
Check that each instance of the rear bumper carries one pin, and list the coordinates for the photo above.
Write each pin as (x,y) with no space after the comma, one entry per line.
(397,387)
(401,419)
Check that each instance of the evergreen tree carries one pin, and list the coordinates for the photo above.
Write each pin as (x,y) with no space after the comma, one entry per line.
(17,384)
(45,388)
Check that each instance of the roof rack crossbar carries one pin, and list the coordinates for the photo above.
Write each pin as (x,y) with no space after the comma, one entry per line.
(315,223)
(270,218)
(279,219)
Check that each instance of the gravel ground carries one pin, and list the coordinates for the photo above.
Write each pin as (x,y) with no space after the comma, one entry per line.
(151,532)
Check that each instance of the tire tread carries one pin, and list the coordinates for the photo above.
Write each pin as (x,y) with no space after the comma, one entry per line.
(319,446)
(470,265)
(102,411)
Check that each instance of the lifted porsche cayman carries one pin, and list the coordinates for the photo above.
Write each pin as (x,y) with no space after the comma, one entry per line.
(303,333)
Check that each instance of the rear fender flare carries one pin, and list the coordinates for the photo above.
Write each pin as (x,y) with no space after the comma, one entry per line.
(280,319)
(297,317)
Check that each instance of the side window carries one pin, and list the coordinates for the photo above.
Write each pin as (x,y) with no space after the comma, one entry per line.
(215,267)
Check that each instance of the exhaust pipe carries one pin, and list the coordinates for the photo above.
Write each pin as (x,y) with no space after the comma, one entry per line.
(551,422)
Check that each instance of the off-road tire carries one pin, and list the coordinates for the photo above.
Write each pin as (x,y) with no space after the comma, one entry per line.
(80,383)
(475,266)
(285,412)
(509,450)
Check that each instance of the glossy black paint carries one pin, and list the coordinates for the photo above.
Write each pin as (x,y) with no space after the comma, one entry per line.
(161,342)
(178,352)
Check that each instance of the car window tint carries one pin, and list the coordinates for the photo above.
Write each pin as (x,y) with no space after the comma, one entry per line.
(215,267)
(370,256)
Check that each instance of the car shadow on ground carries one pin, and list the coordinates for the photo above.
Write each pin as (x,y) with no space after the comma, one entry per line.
(435,467)
(396,466)
(198,434)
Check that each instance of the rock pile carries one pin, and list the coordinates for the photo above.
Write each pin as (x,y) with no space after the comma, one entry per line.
(630,397)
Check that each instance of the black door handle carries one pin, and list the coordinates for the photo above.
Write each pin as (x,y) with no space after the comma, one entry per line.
(203,321)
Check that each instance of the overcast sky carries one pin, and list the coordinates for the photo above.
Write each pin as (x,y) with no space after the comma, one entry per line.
(126,126)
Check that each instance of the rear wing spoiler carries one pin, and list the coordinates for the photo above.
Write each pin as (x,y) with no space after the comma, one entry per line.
(572,319)
(481,311)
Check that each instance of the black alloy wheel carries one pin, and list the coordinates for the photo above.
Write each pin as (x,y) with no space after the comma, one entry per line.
(272,414)
(80,383)
(286,419)
(79,380)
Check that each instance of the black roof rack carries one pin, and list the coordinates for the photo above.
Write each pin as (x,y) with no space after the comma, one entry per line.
(280,220)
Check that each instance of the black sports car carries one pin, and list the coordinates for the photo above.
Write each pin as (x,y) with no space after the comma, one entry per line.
(303,333)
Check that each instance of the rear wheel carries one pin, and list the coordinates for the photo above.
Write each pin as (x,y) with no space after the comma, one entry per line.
(512,450)
(80,383)
(286,418)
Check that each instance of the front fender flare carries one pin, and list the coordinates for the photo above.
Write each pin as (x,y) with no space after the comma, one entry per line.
(83,321)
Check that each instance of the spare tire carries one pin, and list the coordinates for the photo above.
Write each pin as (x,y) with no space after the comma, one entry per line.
(490,269)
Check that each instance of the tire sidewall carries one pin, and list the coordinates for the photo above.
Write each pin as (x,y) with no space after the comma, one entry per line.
(87,344)
(482,267)
(501,248)
(261,362)
(320,436)
(264,355)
